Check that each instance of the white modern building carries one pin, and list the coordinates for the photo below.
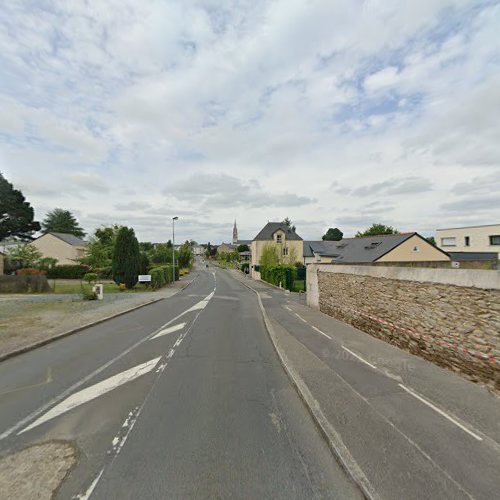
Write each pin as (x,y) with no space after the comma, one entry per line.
(470,239)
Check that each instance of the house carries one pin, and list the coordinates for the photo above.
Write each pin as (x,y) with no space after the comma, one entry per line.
(389,248)
(226,248)
(66,248)
(2,258)
(470,239)
(289,244)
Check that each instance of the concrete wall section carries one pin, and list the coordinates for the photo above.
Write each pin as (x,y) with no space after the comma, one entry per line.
(448,316)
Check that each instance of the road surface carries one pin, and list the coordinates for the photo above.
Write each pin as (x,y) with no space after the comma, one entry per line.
(184,398)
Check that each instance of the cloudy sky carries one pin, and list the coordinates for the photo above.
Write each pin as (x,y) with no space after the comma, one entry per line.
(332,112)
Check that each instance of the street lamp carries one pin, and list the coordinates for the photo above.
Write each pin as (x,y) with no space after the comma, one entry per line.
(173,247)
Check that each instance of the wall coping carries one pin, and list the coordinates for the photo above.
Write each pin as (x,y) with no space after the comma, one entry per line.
(477,278)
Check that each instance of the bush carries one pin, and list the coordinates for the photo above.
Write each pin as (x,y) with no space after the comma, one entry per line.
(75,272)
(30,271)
(104,272)
(280,274)
(89,295)
(24,283)
(245,267)
(90,277)
(161,275)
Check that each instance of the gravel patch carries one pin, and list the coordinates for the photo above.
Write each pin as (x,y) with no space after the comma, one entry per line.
(29,320)
(36,472)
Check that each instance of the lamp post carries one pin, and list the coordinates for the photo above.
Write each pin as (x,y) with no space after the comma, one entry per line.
(173,247)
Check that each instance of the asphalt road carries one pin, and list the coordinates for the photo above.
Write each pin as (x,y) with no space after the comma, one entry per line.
(184,398)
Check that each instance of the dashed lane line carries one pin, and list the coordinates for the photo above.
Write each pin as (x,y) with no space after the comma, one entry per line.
(322,333)
(360,358)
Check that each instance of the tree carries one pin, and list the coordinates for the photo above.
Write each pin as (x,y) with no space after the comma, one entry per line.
(208,251)
(25,255)
(377,230)
(333,234)
(269,255)
(146,246)
(99,251)
(162,254)
(143,263)
(16,214)
(288,223)
(184,255)
(431,239)
(243,248)
(62,221)
(126,257)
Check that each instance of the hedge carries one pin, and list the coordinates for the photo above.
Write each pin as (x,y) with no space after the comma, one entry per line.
(161,275)
(279,275)
(24,283)
(67,272)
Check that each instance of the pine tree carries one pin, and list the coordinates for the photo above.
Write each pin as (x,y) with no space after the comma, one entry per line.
(16,214)
(126,258)
(62,221)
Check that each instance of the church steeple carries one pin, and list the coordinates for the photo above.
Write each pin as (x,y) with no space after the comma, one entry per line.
(235,234)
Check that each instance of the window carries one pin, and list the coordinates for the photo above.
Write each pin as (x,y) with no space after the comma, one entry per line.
(285,251)
(467,241)
(448,242)
(278,238)
(495,239)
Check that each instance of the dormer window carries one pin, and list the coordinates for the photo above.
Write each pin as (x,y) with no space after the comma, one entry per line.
(279,238)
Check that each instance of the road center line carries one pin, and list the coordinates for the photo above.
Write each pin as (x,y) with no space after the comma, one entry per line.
(322,333)
(287,308)
(360,358)
(441,412)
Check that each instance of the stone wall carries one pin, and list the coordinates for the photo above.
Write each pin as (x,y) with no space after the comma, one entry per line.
(450,319)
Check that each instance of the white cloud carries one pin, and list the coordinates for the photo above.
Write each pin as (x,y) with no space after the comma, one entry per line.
(106,103)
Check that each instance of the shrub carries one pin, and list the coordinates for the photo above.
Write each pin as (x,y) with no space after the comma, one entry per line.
(161,275)
(245,266)
(67,272)
(90,277)
(30,271)
(126,257)
(24,283)
(280,274)
(89,294)
(104,272)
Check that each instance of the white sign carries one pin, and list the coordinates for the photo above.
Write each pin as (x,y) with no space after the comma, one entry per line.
(144,278)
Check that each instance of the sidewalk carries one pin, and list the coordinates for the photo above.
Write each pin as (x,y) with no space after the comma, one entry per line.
(409,428)
(30,320)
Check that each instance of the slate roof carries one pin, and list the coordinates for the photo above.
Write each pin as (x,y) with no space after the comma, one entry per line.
(270,228)
(356,250)
(466,256)
(71,239)
(244,242)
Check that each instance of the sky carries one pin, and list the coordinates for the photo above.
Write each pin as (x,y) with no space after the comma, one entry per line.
(335,113)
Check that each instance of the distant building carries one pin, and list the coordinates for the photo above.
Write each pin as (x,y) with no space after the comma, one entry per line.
(236,242)
(66,248)
(470,239)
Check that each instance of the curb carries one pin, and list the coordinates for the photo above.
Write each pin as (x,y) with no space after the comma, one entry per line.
(32,347)
(332,438)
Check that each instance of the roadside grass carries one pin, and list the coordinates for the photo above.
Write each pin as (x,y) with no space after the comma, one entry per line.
(299,286)
(76,287)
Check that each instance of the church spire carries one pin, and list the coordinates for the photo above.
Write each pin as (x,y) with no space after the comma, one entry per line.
(235,233)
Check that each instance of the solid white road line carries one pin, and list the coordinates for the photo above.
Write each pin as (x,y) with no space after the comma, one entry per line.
(171,329)
(91,488)
(322,333)
(360,358)
(300,317)
(287,308)
(94,391)
(441,412)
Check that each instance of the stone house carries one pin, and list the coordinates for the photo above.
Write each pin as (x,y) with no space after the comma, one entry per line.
(388,248)
(66,248)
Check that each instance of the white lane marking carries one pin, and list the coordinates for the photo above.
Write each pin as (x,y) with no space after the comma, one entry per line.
(287,308)
(171,329)
(82,381)
(322,333)
(441,412)
(300,317)
(202,304)
(91,488)
(94,391)
(360,358)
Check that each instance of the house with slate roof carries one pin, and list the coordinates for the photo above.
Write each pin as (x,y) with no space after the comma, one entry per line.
(404,247)
(66,248)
